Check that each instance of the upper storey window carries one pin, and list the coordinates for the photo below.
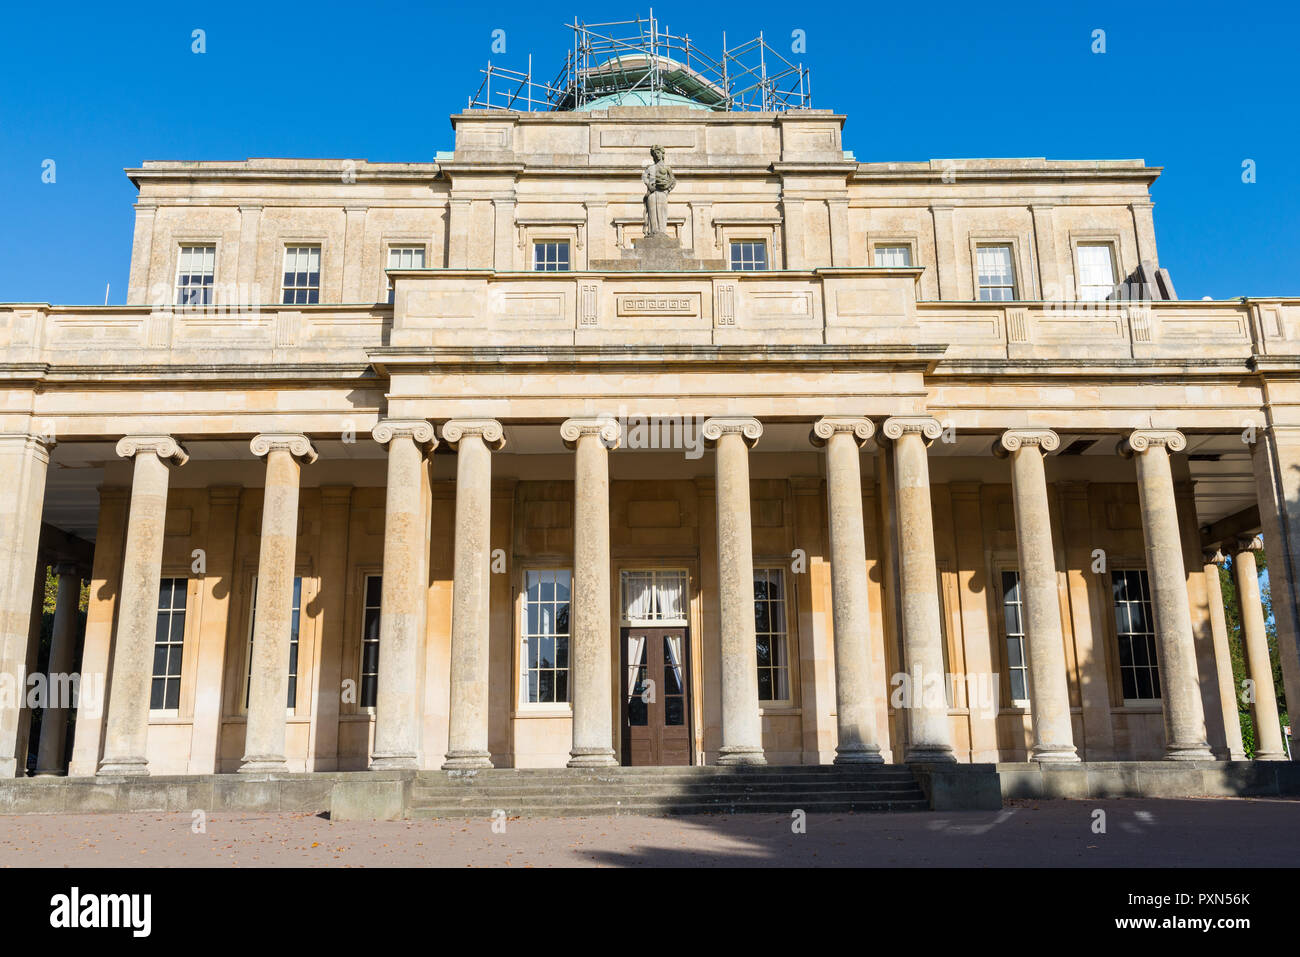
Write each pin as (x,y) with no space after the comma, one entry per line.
(1096,271)
(893,256)
(404,257)
(196,271)
(301,276)
(997,276)
(747,254)
(551,256)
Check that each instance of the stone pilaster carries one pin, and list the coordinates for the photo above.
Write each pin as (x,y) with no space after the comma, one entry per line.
(101,615)
(127,729)
(405,583)
(1223,655)
(1049,691)
(467,726)
(23,463)
(856,733)
(215,601)
(273,609)
(1179,684)
(742,731)
(63,641)
(1268,727)
(336,513)
(590,658)
(929,732)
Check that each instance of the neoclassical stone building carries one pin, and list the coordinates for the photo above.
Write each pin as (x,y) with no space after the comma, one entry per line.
(390,465)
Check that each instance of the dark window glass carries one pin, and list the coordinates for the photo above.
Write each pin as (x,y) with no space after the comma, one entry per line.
(1135,631)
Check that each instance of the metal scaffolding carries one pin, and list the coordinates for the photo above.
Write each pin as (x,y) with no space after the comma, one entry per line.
(638,62)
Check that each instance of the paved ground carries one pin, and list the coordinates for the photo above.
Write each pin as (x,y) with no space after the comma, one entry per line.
(1205,832)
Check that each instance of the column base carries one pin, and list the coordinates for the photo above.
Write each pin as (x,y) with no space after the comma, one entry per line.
(1188,752)
(858,754)
(263,764)
(739,754)
(1269,756)
(592,758)
(929,754)
(124,767)
(394,761)
(467,761)
(1054,754)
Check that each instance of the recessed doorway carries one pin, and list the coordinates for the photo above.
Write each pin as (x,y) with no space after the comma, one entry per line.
(655,653)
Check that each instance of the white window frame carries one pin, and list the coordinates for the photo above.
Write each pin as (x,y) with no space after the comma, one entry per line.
(783,636)
(401,248)
(1080,287)
(171,611)
(751,243)
(541,245)
(526,637)
(1019,636)
(1153,663)
(320,272)
(657,619)
(209,288)
(905,245)
(1014,286)
(366,608)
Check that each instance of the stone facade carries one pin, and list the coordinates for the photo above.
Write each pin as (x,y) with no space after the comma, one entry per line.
(837,422)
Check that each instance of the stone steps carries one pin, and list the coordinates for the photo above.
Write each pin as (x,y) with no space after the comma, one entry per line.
(588,791)
(670,809)
(550,792)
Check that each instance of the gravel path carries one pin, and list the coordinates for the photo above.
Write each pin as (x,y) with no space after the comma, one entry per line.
(1204,832)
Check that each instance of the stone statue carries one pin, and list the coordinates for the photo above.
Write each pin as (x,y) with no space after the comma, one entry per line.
(659,182)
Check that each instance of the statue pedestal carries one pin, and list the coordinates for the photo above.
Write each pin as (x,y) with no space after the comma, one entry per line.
(659,253)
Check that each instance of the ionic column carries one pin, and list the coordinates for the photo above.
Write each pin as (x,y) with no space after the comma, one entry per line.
(590,659)
(1268,727)
(467,726)
(1049,691)
(1222,654)
(1179,686)
(126,732)
(742,731)
(855,712)
(277,560)
(24,460)
(405,583)
(929,734)
(63,641)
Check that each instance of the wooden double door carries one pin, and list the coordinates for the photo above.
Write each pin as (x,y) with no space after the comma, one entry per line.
(656,699)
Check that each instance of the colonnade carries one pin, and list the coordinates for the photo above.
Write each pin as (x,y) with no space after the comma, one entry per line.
(405,574)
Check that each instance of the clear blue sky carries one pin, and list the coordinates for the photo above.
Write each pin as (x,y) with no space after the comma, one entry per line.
(1195,88)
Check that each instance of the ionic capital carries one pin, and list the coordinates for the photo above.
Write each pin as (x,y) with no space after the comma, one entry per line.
(20,442)
(67,568)
(296,444)
(1013,440)
(420,431)
(1248,543)
(824,428)
(749,429)
(897,426)
(603,426)
(164,446)
(1142,439)
(489,430)
(1213,555)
